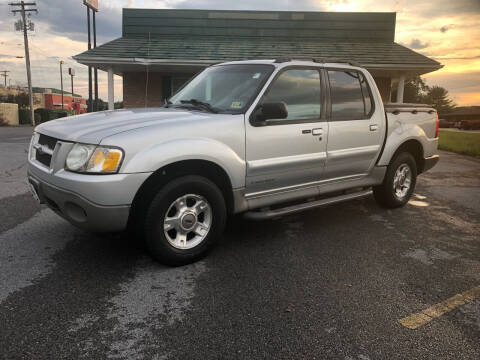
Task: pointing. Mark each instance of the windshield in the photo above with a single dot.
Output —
(223, 88)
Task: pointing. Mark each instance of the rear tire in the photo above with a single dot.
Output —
(184, 220)
(399, 183)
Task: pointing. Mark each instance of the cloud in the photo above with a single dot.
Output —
(445, 28)
(417, 44)
(445, 8)
(457, 57)
(298, 5)
(463, 88)
(69, 18)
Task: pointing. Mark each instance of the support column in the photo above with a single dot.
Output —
(110, 89)
(400, 88)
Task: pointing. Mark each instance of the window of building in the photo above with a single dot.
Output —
(350, 96)
(300, 90)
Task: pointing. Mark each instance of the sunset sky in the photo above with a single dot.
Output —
(445, 30)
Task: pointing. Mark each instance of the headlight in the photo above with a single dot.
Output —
(94, 159)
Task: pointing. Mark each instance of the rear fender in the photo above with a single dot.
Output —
(401, 134)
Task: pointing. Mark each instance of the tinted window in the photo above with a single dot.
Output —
(300, 90)
(347, 95)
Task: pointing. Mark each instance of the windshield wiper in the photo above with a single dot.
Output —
(200, 104)
(167, 103)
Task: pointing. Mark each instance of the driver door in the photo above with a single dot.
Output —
(288, 152)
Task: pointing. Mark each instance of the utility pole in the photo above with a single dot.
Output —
(89, 67)
(71, 72)
(61, 79)
(95, 71)
(5, 75)
(93, 5)
(24, 10)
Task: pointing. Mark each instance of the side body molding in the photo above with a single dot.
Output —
(159, 155)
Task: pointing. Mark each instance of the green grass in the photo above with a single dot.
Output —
(460, 142)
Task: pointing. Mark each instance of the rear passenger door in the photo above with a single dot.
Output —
(355, 127)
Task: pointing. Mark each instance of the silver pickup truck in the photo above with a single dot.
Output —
(265, 138)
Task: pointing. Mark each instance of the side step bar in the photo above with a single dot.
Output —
(268, 214)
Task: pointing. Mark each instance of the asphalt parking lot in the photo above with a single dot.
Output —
(332, 283)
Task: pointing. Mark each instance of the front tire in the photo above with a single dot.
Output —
(399, 182)
(184, 220)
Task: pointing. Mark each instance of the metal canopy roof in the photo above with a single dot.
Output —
(188, 40)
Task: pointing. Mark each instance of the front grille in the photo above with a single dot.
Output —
(44, 149)
(47, 140)
(45, 159)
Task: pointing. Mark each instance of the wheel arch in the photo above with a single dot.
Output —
(165, 174)
(415, 148)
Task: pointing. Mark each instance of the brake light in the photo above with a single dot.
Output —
(437, 125)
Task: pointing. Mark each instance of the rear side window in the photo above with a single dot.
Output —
(350, 95)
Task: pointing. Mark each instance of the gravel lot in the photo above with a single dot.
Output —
(329, 283)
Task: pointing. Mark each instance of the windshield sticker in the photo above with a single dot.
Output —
(236, 105)
(256, 75)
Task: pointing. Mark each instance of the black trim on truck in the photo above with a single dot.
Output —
(430, 162)
(384, 140)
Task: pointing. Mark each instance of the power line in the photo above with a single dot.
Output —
(25, 8)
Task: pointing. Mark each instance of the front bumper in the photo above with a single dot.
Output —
(99, 203)
(80, 211)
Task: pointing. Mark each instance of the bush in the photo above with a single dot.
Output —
(43, 113)
(52, 114)
(24, 117)
(38, 118)
(59, 113)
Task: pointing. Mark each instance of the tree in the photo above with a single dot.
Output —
(437, 96)
(101, 105)
(417, 91)
(413, 91)
(22, 99)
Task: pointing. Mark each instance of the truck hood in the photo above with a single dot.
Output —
(92, 128)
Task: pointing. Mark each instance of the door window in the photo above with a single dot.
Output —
(350, 96)
(300, 90)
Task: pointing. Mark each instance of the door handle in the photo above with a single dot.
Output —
(317, 131)
(373, 127)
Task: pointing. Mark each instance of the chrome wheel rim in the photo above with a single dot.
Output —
(402, 181)
(187, 221)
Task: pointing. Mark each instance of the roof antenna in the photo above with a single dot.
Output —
(146, 80)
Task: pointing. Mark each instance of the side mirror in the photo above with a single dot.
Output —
(273, 110)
